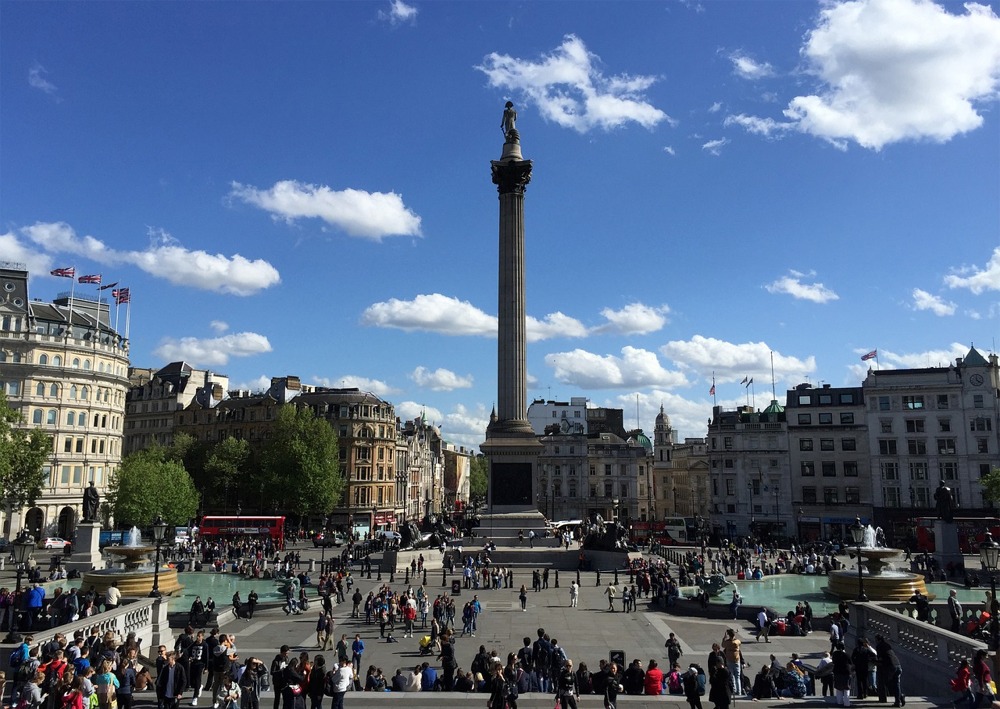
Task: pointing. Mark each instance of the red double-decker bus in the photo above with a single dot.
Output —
(971, 532)
(216, 526)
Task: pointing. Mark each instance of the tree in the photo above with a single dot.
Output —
(478, 476)
(991, 485)
(225, 467)
(148, 484)
(300, 464)
(22, 453)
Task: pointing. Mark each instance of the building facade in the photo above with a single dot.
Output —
(65, 369)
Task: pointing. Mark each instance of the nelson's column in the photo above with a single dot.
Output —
(511, 446)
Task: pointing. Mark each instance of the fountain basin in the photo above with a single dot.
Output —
(878, 587)
(131, 583)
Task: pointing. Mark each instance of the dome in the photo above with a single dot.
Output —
(662, 418)
(642, 440)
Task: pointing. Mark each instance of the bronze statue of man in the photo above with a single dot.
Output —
(509, 119)
(945, 503)
(91, 501)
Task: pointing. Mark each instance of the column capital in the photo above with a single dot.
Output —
(511, 176)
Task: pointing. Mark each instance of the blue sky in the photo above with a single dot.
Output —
(304, 188)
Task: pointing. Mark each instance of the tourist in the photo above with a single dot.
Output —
(955, 611)
(171, 682)
(653, 679)
(342, 681)
(984, 679)
(674, 650)
(763, 685)
(734, 659)
(842, 666)
(566, 688)
(864, 659)
(962, 684)
(720, 693)
(612, 683)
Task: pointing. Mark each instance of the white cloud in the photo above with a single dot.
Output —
(440, 379)
(714, 147)
(37, 263)
(219, 326)
(553, 325)
(687, 416)
(731, 362)
(669, 150)
(164, 258)
(398, 13)
(633, 319)
(975, 279)
(896, 70)
(462, 426)
(748, 68)
(760, 126)
(570, 90)
(351, 381)
(715, 107)
(36, 79)
(922, 300)
(368, 215)
(212, 351)
(792, 285)
(259, 385)
(635, 368)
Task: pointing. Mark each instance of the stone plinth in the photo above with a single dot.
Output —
(946, 549)
(86, 549)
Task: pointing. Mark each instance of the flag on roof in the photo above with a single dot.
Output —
(749, 382)
(63, 272)
(711, 392)
(744, 380)
(121, 295)
(871, 355)
(110, 285)
(93, 278)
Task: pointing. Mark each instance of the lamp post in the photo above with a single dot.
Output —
(22, 547)
(750, 508)
(858, 535)
(159, 529)
(989, 556)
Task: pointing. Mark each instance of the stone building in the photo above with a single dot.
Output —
(828, 460)
(423, 467)
(65, 369)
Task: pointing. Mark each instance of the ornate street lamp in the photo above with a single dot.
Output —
(159, 529)
(22, 547)
(858, 535)
(989, 555)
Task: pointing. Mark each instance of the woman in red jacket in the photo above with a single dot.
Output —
(653, 681)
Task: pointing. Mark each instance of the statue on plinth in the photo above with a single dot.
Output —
(91, 502)
(508, 123)
(945, 503)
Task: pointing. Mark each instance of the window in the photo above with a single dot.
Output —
(623, 469)
(68, 445)
(729, 463)
(890, 470)
(982, 445)
(830, 496)
(623, 490)
(607, 469)
(847, 399)
(70, 418)
(883, 403)
(50, 418)
(809, 495)
(805, 444)
(826, 444)
(805, 419)
(727, 443)
(593, 470)
(981, 424)
(977, 401)
(56, 361)
(886, 446)
(826, 419)
(913, 403)
(891, 495)
(886, 425)
(39, 389)
(848, 444)
(984, 469)
(942, 401)
(948, 471)
(608, 489)
(730, 486)
(918, 471)
(829, 469)
(916, 446)
(593, 490)
(805, 399)
(946, 446)
(36, 417)
(914, 425)
(808, 469)
(825, 399)
(852, 495)
(944, 424)
(850, 469)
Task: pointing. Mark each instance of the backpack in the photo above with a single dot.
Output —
(702, 682)
(17, 657)
(541, 653)
(330, 683)
(558, 657)
(53, 671)
(674, 682)
(526, 658)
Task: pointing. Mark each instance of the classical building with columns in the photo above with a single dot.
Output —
(65, 369)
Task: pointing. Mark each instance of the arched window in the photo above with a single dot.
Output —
(76, 363)
(72, 392)
(51, 417)
(54, 390)
(84, 392)
(43, 359)
(100, 366)
(57, 361)
(70, 418)
(36, 417)
(86, 364)
(40, 389)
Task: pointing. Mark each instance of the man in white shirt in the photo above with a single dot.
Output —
(763, 625)
(112, 597)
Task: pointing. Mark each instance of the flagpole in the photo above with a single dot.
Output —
(714, 399)
(876, 360)
(753, 395)
(72, 292)
(774, 395)
(128, 313)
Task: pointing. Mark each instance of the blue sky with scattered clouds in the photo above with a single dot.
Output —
(304, 188)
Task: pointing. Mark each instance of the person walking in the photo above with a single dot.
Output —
(984, 679)
(357, 652)
(522, 596)
(962, 684)
(692, 686)
(890, 673)
(610, 592)
(567, 690)
(574, 594)
(763, 626)
(674, 650)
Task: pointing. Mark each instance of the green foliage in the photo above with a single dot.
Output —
(478, 476)
(300, 464)
(149, 483)
(991, 485)
(226, 469)
(22, 453)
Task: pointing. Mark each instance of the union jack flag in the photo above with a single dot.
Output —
(871, 355)
(96, 279)
(63, 272)
(121, 295)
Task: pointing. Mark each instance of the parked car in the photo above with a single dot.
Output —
(328, 540)
(53, 543)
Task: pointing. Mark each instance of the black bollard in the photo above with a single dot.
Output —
(407, 579)
(631, 575)
(557, 578)
(369, 573)
(425, 576)
(392, 575)
(616, 577)
(444, 577)
(578, 577)
(598, 578)
(379, 573)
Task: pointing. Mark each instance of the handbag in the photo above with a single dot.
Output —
(296, 690)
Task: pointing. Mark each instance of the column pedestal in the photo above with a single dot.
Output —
(946, 549)
(86, 549)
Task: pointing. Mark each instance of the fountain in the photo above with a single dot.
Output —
(135, 577)
(882, 583)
